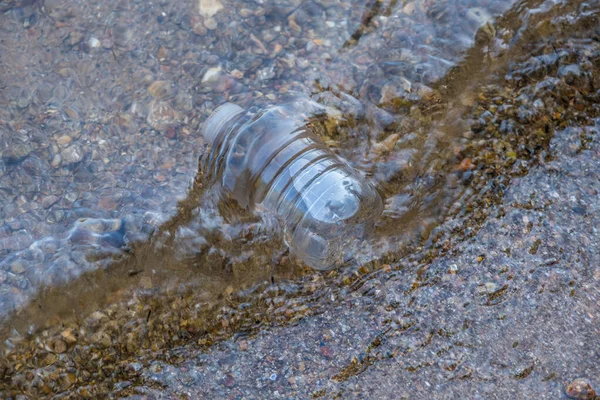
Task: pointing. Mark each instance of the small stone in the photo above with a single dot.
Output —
(67, 380)
(210, 24)
(466, 165)
(49, 201)
(326, 351)
(18, 267)
(199, 28)
(163, 53)
(107, 43)
(209, 8)
(243, 345)
(49, 359)
(101, 339)
(56, 160)
(409, 9)
(68, 336)
(58, 346)
(161, 90)
(64, 140)
(229, 380)
(237, 74)
(580, 389)
(246, 12)
(74, 38)
(94, 320)
(212, 75)
(94, 43)
(491, 287)
(162, 116)
(72, 155)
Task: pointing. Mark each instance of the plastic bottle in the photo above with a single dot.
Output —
(273, 160)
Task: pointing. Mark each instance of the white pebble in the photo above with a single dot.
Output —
(211, 75)
(93, 42)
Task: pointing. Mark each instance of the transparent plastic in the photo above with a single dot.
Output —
(273, 161)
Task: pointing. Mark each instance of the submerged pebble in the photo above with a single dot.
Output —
(580, 389)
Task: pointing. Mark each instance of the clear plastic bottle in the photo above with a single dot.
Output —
(273, 160)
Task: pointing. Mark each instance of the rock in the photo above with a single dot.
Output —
(74, 38)
(16, 153)
(237, 74)
(163, 54)
(72, 154)
(580, 389)
(211, 24)
(49, 201)
(162, 116)
(184, 101)
(208, 8)
(68, 336)
(409, 9)
(198, 28)
(56, 160)
(212, 75)
(58, 346)
(18, 267)
(94, 43)
(161, 90)
(64, 140)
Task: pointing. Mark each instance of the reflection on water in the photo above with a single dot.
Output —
(101, 198)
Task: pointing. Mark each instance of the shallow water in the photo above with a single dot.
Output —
(101, 112)
(108, 219)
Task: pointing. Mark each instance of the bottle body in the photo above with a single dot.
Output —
(274, 161)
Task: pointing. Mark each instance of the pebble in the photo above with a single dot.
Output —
(409, 9)
(49, 201)
(161, 90)
(56, 160)
(237, 74)
(212, 75)
(94, 43)
(64, 140)
(74, 38)
(58, 346)
(18, 267)
(490, 287)
(68, 336)
(210, 24)
(580, 389)
(209, 8)
(198, 28)
(162, 116)
(72, 154)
